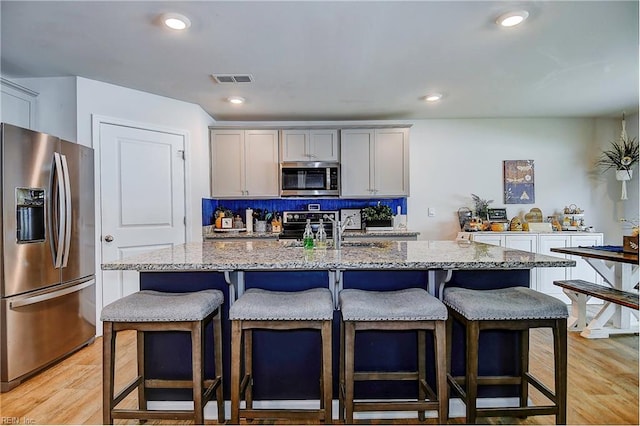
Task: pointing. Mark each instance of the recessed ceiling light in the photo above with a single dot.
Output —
(433, 97)
(237, 100)
(175, 21)
(512, 19)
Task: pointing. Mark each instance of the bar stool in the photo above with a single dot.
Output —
(411, 309)
(513, 308)
(152, 311)
(277, 310)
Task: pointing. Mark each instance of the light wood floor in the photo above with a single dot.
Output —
(603, 385)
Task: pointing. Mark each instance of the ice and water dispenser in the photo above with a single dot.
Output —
(30, 215)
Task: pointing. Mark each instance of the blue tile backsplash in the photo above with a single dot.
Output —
(238, 206)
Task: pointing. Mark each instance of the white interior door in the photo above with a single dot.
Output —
(142, 198)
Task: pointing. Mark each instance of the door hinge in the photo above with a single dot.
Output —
(184, 221)
(181, 153)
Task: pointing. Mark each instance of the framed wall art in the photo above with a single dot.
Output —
(519, 182)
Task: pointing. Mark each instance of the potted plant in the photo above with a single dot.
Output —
(621, 156)
(481, 207)
(262, 216)
(379, 215)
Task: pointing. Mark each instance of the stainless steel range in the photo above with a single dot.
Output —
(294, 222)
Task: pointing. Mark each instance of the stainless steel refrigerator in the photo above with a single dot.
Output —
(47, 251)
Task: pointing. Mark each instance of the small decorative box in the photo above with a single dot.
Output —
(227, 222)
(630, 244)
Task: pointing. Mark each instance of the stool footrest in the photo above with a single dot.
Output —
(127, 390)
(492, 380)
(516, 411)
(385, 375)
(541, 387)
(394, 405)
(266, 413)
(246, 380)
(152, 414)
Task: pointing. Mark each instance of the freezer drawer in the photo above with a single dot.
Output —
(39, 328)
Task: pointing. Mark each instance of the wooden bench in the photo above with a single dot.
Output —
(619, 297)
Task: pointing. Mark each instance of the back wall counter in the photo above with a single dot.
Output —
(238, 206)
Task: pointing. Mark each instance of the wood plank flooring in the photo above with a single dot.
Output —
(603, 385)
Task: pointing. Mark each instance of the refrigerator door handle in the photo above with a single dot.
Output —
(48, 296)
(61, 210)
(67, 216)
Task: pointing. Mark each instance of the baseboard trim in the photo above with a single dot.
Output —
(456, 407)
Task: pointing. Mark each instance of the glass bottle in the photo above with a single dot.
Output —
(307, 237)
(321, 237)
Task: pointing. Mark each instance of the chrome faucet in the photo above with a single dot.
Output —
(338, 229)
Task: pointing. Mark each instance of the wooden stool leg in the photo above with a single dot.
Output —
(422, 369)
(472, 339)
(142, 399)
(108, 366)
(349, 349)
(197, 354)
(341, 388)
(560, 369)
(217, 342)
(236, 343)
(248, 367)
(327, 367)
(449, 338)
(440, 341)
(524, 368)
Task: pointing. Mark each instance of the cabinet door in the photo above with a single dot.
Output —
(528, 243)
(261, 163)
(582, 270)
(227, 163)
(323, 145)
(522, 242)
(356, 152)
(391, 162)
(546, 276)
(493, 239)
(295, 145)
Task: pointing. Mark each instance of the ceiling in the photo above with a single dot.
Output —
(341, 60)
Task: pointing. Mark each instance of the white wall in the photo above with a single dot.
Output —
(450, 159)
(55, 106)
(607, 189)
(94, 97)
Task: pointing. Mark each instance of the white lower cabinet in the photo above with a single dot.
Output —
(542, 278)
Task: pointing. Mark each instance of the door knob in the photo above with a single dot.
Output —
(108, 238)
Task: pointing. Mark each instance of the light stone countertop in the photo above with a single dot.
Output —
(268, 255)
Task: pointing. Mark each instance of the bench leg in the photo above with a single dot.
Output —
(578, 317)
(595, 329)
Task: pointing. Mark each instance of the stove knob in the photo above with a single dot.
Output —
(295, 216)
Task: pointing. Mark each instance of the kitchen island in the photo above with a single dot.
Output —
(285, 368)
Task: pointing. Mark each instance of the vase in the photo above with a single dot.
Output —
(624, 176)
(261, 226)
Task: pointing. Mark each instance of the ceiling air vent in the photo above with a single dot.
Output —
(230, 78)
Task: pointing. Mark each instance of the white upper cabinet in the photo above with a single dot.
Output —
(244, 163)
(18, 105)
(375, 162)
(309, 145)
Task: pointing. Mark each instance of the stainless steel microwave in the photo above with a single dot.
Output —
(306, 179)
